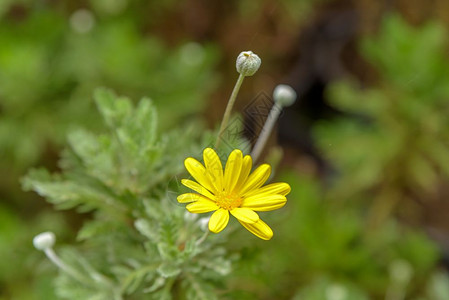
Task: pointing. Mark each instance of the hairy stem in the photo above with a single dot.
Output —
(227, 114)
(266, 131)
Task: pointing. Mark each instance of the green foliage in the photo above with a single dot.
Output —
(413, 60)
(139, 242)
(401, 146)
(136, 242)
(14, 234)
(325, 290)
(60, 66)
(322, 244)
(339, 240)
(48, 71)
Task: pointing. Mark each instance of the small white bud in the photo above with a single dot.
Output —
(82, 21)
(284, 95)
(247, 63)
(44, 240)
(189, 217)
(204, 222)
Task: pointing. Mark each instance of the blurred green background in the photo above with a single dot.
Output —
(366, 148)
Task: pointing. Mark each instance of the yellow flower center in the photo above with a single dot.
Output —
(228, 201)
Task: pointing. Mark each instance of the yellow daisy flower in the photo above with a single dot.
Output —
(234, 191)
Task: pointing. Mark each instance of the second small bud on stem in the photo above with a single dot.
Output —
(283, 96)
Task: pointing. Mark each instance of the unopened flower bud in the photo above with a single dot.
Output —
(284, 95)
(189, 217)
(247, 63)
(44, 240)
(203, 222)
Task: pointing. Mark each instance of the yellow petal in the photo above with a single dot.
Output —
(214, 168)
(219, 220)
(256, 179)
(259, 229)
(190, 197)
(202, 206)
(197, 188)
(245, 215)
(280, 188)
(232, 170)
(198, 171)
(264, 202)
(246, 169)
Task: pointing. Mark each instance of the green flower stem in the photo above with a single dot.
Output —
(227, 114)
(203, 238)
(266, 131)
(61, 265)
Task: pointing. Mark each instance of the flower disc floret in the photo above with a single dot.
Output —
(234, 190)
(228, 201)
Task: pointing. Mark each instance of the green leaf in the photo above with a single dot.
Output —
(157, 284)
(198, 289)
(113, 110)
(168, 269)
(66, 194)
(147, 229)
(94, 228)
(166, 251)
(136, 278)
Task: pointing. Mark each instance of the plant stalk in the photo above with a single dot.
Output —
(227, 114)
(266, 131)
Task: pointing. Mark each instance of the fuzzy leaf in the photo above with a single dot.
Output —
(168, 269)
(66, 194)
(198, 289)
(146, 229)
(113, 109)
